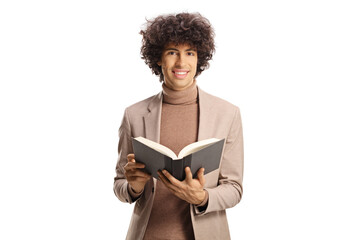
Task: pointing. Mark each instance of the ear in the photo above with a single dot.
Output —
(159, 63)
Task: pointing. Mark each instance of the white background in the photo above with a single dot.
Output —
(69, 68)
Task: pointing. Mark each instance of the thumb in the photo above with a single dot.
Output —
(188, 173)
(201, 177)
(131, 157)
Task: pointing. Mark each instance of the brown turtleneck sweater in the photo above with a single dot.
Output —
(170, 216)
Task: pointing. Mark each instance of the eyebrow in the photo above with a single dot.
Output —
(187, 50)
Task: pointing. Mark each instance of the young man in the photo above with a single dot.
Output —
(177, 48)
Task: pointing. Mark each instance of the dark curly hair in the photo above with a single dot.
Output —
(189, 28)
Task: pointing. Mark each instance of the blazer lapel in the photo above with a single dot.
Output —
(153, 118)
(204, 131)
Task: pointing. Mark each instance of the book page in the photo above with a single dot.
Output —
(196, 146)
(157, 146)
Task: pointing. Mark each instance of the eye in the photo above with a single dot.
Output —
(171, 53)
(191, 54)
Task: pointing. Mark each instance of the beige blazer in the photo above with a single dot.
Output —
(219, 119)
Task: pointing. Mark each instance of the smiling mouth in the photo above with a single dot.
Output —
(180, 74)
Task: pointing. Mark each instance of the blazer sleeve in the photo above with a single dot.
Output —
(124, 148)
(229, 191)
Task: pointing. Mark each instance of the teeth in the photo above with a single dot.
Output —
(181, 73)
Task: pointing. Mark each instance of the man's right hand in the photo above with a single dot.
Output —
(134, 175)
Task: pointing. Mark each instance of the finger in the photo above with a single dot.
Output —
(130, 157)
(163, 178)
(171, 179)
(131, 166)
(166, 181)
(137, 179)
(201, 177)
(137, 173)
(188, 173)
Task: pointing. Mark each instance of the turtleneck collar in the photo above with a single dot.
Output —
(182, 97)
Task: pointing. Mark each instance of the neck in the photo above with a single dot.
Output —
(181, 97)
(178, 88)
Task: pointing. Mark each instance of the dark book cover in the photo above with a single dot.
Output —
(208, 158)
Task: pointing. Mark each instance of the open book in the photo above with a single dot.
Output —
(205, 153)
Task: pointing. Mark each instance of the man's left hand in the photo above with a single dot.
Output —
(190, 190)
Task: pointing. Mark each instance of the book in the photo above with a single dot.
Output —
(206, 153)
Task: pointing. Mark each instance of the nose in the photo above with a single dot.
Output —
(180, 60)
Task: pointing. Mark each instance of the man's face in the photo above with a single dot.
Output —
(178, 64)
